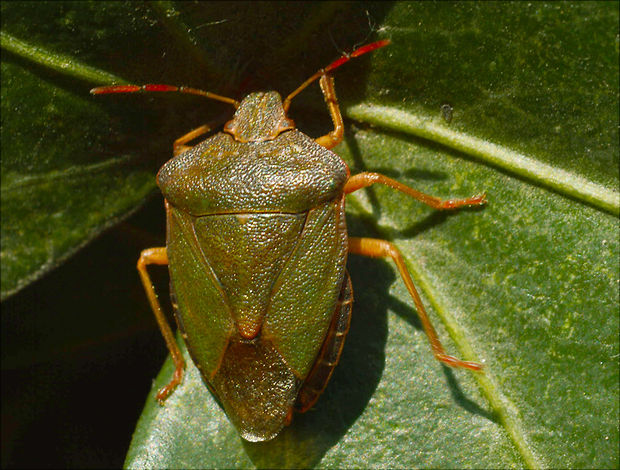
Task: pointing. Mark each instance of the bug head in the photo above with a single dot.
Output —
(259, 117)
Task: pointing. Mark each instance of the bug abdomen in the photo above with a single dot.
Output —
(329, 355)
(256, 388)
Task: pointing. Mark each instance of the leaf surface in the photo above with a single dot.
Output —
(516, 100)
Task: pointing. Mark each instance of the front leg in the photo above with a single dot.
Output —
(329, 92)
(179, 145)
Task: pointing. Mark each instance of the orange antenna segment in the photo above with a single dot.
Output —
(161, 87)
(334, 65)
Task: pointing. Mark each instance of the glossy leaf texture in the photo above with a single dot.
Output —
(518, 100)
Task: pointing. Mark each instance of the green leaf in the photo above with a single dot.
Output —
(517, 100)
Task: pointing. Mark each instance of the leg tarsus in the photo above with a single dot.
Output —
(376, 248)
(159, 256)
(363, 180)
(478, 200)
(177, 378)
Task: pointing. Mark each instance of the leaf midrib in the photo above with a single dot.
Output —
(524, 166)
(60, 63)
(17, 181)
(503, 408)
(528, 168)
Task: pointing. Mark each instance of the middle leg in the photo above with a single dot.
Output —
(363, 180)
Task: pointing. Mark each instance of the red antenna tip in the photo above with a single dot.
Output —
(114, 89)
(370, 47)
(356, 53)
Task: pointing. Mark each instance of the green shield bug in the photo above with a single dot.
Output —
(256, 249)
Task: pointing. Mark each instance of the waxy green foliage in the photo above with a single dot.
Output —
(529, 284)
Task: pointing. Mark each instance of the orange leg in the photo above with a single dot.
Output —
(179, 145)
(329, 92)
(375, 248)
(160, 257)
(363, 180)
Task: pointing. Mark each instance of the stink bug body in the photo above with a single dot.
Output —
(257, 248)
